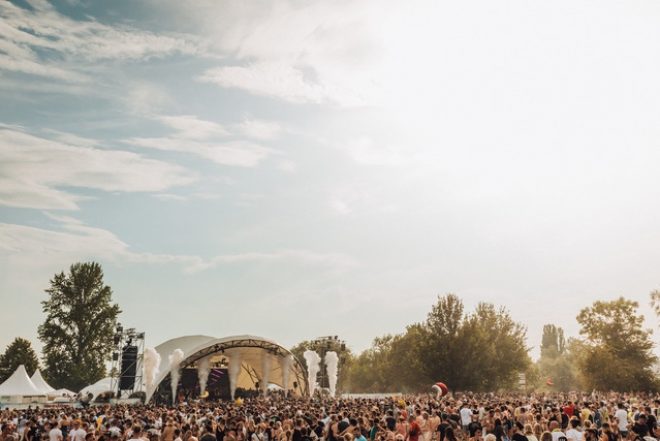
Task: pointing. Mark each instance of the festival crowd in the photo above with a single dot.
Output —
(556, 417)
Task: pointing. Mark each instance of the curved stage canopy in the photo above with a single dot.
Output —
(256, 363)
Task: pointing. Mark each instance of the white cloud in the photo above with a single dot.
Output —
(191, 127)
(206, 139)
(233, 153)
(146, 98)
(363, 196)
(72, 240)
(33, 170)
(25, 34)
(278, 80)
(188, 196)
(312, 52)
(71, 139)
(169, 197)
(259, 129)
(285, 81)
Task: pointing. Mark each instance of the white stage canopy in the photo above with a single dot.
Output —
(254, 355)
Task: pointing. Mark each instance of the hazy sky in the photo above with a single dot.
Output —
(309, 168)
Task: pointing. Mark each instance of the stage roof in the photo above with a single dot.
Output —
(251, 350)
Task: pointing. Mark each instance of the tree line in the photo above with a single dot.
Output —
(613, 352)
(485, 350)
(480, 350)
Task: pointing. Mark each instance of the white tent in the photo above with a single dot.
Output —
(89, 393)
(41, 384)
(62, 396)
(20, 389)
(64, 392)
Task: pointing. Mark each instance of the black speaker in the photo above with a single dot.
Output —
(295, 384)
(128, 367)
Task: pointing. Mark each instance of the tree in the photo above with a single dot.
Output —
(370, 371)
(618, 345)
(553, 341)
(19, 352)
(655, 301)
(481, 351)
(443, 342)
(79, 326)
(496, 351)
(556, 361)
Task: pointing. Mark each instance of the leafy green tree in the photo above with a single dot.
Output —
(556, 362)
(553, 341)
(617, 350)
(481, 351)
(79, 326)
(496, 351)
(443, 340)
(533, 377)
(655, 301)
(406, 368)
(560, 369)
(19, 352)
(370, 371)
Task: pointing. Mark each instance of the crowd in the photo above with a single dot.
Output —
(614, 417)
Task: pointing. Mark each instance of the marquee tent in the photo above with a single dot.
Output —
(19, 389)
(65, 393)
(41, 384)
(89, 393)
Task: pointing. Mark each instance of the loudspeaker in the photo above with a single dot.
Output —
(295, 384)
(128, 367)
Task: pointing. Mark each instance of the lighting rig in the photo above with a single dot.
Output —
(321, 346)
(127, 357)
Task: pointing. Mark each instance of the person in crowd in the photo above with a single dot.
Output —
(573, 433)
(519, 432)
(621, 416)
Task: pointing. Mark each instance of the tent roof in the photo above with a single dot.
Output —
(65, 392)
(41, 384)
(96, 389)
(19, 384)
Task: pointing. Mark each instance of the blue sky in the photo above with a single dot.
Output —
(298, 169)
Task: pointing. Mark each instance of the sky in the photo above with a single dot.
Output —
(295, 169)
